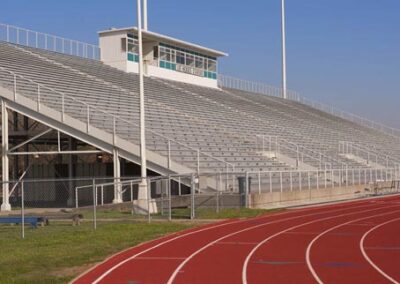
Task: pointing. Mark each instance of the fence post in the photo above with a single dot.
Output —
(300, 183)
(259, 182)
(246, 193)
(169, 199)
(131, 187)
(162, 198)
(219, 185)
(148, 200)
(94, 204)
(270, 182)
(22, 210)
(76, 197)
(192, 193)
(102, 194)
(291, 180)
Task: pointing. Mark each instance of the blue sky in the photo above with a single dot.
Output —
(342, 52)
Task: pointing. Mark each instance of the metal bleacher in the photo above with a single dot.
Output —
(200, 128)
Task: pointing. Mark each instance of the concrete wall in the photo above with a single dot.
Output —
(111, 52)
(288, 198)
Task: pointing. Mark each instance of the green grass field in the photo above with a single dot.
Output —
(59, 252)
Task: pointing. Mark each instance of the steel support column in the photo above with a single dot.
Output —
(117, 177)
(5, 206)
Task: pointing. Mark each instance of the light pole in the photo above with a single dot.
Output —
(284, 87)
(145, 24)
(142, 194)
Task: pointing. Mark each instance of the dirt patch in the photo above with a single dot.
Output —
(72, 271)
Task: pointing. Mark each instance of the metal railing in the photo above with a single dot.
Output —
(262, 88)
(351, 117)
(251, 182)
(278, 145)
(229, 82)
(69, 106)
(369, 156)
(280, 181)
(21, 36)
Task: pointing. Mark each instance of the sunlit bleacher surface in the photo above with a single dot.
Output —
(202, 129)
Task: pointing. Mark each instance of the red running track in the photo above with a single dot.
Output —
(353, 242)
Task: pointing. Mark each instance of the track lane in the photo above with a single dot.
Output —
(380, 246)
(236, 246)
(334, 256)
(154, 261)
(144, 270)
(282, 259)
(102, 270)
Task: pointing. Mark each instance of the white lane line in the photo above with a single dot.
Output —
(175, 273)
(340, 206)
(247, 260)
(102, 276)
(159, 258)
(374, 265)
(308, 252)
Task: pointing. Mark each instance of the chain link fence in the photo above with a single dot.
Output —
(96, 201)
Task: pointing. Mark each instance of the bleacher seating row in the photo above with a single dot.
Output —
(221, 123)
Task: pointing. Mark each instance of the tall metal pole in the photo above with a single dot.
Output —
(145, 23)
(5, 206)
(142, 195)
(284, 86)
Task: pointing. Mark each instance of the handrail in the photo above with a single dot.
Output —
(328, 160)
(352, 117)
(264, 89)
(113, 117)
(26, 37)
(230, 82)
(349, 147)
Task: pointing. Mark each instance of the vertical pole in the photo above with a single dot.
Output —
(117, 177)
(76, 197)
(145, 21)
(284, 91)
(5, 206)
(246, 193)
(94, 204)
(219, 184)
(270, 182)
(192, 192)
(102, 194)
(169, 199)
(148, 202)
(143, 185)
(259, 182)
(23, 210)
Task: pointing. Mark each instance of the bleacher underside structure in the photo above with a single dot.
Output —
(189, 128)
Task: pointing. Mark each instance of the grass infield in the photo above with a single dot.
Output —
(59, 252)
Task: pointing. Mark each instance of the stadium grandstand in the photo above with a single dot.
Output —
(71, 109)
